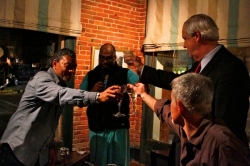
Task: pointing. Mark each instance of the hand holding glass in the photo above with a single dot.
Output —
(119, 114)
(133, 97)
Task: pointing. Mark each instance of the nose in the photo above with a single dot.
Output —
(105, 62)
(184, 45)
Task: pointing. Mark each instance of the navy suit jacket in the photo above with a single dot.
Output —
(231, 88)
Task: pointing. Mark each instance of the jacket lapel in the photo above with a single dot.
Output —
(212, 63)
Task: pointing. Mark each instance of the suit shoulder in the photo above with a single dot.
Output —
(43, 75)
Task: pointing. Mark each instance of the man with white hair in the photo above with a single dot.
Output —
(228, 73)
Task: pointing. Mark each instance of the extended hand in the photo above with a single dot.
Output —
(138, 88)
(112, 93)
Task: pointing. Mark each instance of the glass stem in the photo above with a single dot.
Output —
(119, 107)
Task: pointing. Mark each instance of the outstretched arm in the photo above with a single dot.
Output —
(112, 93)
(150, 75)
(161, 107)
(140, 89)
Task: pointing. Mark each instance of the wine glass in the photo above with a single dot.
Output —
(132, 96)
(119, 114)
(63, 153)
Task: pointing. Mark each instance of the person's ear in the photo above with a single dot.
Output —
(180, 107)
(197, 35)
(54, 62)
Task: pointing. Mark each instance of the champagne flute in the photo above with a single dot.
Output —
(119, 114)
(133, 97)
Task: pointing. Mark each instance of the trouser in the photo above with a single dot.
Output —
(8, 158)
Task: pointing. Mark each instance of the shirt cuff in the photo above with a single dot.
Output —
(97, 98)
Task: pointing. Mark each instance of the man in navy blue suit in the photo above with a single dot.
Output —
(227, 72)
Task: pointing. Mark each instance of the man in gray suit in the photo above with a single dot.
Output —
(30, 131)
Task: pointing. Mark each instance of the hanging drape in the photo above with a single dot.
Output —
(52, 16)
(166, 17)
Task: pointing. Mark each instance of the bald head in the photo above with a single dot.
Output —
(107, 55)
(108, 47)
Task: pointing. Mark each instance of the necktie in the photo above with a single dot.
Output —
(198, 68)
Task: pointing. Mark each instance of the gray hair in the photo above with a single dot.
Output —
(195, 92)
(63, 52)
(204, 24)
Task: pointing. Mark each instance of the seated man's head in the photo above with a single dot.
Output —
(192, 94)
(64, 64)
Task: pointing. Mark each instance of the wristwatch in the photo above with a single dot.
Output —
(96, 97)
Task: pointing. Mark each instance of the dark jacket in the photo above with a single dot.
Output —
(231, 85)
(100, 116)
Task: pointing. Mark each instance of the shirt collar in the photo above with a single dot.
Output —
(197, 138)
(209, 56)
(53, 74)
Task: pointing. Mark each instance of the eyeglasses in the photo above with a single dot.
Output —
(107, 58)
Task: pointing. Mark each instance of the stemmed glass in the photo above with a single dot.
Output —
(132, 96)
(119, 114)
(63, 153)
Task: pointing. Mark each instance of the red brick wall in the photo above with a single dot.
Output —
(122, 23)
